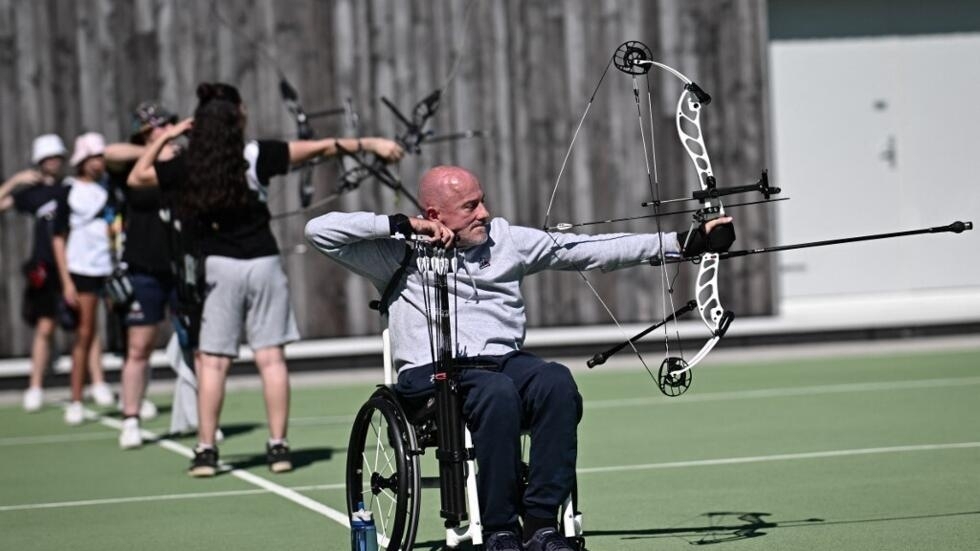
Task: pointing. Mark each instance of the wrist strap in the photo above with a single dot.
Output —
(399, 223)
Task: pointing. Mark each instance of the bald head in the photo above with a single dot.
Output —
(454, 196)
(444, 183)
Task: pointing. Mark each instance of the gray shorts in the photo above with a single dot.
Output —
(248, 294)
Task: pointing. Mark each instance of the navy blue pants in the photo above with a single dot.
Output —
(519, 392)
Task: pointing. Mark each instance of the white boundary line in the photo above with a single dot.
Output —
(281, 491)
(779, 457)
(164, 497)
(289, 493)
(592, 404)
(55, 438)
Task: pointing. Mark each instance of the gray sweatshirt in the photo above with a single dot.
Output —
(485, 291)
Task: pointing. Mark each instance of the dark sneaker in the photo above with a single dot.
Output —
(205, 462)
(277, 456)
(547, 539)
(503, 541)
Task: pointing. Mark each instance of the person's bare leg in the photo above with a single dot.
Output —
(84, 336)
(41, 350)
(141, 339)
(271, 362)
(96, 374)
(210, 395)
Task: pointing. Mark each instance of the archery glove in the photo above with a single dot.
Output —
(698, 242)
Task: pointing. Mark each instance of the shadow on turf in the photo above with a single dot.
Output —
(230, 431)
(725, 527)
(722, 527)
(303, 457)
(162, 409)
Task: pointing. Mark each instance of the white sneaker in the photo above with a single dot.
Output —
(101, 394)
(74, 413)
(148, 410)
(130, 436)
(33, 398)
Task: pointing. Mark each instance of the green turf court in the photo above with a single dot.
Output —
(871, 452)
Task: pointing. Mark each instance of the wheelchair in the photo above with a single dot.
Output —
(387, 440)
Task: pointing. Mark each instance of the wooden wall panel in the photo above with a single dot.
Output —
(525, 72)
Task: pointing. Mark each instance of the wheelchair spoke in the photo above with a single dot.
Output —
(391, 508)
(380, 448)
(382, 523)
(377, 442)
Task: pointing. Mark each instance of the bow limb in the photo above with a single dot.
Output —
(304, 131)
(715, 318)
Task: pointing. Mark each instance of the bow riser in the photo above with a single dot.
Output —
(688, 121)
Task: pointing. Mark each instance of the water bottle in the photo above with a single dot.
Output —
(363, 534)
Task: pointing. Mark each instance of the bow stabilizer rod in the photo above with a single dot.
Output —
(955, 227)
(601, 357)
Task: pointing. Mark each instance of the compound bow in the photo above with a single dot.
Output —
(674, 375)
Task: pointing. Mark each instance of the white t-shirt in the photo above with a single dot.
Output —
(88, 232)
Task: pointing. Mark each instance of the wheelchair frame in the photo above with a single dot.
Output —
(392, 490)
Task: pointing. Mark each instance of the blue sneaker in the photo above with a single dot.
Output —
(547, 539)
(503, 541)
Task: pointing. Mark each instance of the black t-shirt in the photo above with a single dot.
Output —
(147, 247)
(41, 202)
(240, 232)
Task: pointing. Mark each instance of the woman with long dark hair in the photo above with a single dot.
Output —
(219, 186)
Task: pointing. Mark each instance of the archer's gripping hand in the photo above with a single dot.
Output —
(714, 236)
(435, 230)
(387, 150)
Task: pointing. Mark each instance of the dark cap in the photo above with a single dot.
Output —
(147, 115)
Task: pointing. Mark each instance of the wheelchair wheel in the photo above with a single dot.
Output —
(383, 470)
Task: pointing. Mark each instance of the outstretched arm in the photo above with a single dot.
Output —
(614, 251)
(304, 150)
(118, 154)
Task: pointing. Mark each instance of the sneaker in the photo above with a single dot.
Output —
(503, 541)
(33, 397)
(148, 410)
(277, 456)
(205, 462)
(74, 413)
(130, 437)
(547, 539)
(101, 394)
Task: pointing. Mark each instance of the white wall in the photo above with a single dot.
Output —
(876, 135)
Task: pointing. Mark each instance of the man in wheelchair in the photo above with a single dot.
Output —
(512, 390)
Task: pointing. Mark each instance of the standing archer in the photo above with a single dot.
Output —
(220, 183)
(521, 390)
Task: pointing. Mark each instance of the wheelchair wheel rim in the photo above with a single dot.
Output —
(382, 475)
